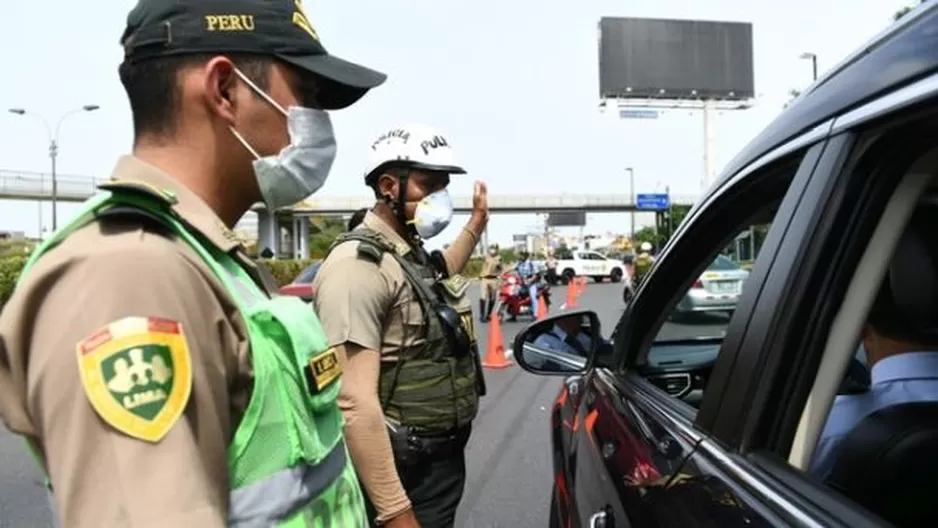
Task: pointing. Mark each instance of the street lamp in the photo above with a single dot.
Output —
(632, 192)
(53, 153)
(813, 58)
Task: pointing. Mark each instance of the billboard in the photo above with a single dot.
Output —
(642, 58)
(567, 219)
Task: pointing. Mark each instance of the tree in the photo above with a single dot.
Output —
(323, 232)
(792, 95)
(905, 11)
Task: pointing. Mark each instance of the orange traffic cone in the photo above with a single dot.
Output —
(495, 356)
(571, 293)
(582, 285)
(541, 307)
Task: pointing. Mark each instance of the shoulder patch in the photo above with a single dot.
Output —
(456, 285)
(369, 251)
(137, 374)
(139, 187)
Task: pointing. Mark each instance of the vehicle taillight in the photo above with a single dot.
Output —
(697, 284)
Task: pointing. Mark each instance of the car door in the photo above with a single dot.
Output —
(634, 447)
(770, 383)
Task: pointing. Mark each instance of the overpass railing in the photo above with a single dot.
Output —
(38, 186)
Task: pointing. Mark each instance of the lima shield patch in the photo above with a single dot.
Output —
(137, 374)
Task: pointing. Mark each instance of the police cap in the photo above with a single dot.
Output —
(277, 28)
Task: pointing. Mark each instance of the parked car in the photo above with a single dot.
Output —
(302, 285)
(716, 425)
(716, 290)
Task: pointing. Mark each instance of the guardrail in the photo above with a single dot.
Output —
(38, 186)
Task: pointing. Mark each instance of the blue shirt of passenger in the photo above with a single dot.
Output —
(525, 268)
(903, 378)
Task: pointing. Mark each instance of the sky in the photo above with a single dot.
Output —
(513, 85)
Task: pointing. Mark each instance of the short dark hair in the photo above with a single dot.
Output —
(357, 218)
(152, 87)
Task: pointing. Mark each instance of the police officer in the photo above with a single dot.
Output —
(492, 267)
(402, 318)
(643, 262)
(154, 377)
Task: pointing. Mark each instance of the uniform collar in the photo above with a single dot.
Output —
(374, 222)
(188, 205)
(905, 366)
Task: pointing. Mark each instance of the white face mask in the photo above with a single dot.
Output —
(301, 168)
(433, 214)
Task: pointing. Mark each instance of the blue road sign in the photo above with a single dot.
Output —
(638, 114)
(652, 202)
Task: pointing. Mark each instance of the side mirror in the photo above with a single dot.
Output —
(563, 345)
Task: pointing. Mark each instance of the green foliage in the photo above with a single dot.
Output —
(285, 270)
(905, 11)
(13, 255)
(323, 232)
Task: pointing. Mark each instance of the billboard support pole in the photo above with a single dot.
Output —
(708, 143)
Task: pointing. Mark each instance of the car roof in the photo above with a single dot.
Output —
(904, 52)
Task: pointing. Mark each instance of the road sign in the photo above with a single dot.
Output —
(652, 202)
(638, 114)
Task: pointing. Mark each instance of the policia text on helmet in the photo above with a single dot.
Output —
(403, 319)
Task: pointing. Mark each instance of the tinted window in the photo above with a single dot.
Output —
(721, 263)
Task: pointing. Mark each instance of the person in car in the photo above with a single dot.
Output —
(567, 337)
(901, 345)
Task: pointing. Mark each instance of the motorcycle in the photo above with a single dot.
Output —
(514, 296)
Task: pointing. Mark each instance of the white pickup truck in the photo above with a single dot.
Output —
(590, 264)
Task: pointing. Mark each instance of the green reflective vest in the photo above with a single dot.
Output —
(288, 464)
(643, 264)
(431, 386)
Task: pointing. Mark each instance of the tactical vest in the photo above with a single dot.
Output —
(288, 464)
(432, 387)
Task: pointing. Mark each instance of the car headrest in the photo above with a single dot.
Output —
(913, 273)
(889, 464)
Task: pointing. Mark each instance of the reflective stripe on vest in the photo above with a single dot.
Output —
(263, 503)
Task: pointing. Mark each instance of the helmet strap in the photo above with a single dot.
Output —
(398, 204)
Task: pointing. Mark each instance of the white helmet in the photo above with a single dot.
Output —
(646, 246)
(411, 146)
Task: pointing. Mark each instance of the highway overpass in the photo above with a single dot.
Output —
(20, 185)
(34, 186)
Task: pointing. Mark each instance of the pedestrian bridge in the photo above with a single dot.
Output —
(20, 185)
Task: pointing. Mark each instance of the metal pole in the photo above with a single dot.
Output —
(708, 107)
(53, 153)
(667, 191)
(632, 192)
(42, 181)
(814, 65)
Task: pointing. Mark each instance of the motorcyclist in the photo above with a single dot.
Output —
(643, 262)
(527, 270)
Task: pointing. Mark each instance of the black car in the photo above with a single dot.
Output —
(716, 423)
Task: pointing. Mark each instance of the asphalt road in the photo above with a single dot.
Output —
(509, 464)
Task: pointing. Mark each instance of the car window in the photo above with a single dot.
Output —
(308, 274)
(705, 307)
(688, 300)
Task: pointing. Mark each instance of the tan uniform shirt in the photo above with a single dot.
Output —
(373, 309)
(107, 271)
(492, 266)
